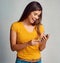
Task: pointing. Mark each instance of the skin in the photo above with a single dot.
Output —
(27, 24)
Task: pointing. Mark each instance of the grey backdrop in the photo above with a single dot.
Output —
(11, 10)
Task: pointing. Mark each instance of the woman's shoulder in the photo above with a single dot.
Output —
(16, 23)
(41, 25)
(41, 28)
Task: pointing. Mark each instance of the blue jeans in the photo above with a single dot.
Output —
(22, 61)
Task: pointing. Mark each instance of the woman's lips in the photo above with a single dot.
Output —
(33, 20)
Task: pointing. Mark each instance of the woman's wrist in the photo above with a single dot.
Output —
(28, 43)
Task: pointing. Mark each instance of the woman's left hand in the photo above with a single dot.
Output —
(43, 41)
(45, 37)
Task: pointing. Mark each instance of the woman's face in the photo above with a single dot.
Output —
(34, 16)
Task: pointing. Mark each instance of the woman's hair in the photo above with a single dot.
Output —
(32, 6)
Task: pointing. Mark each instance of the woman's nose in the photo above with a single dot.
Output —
(37, 17)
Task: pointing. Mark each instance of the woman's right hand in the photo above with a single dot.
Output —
(33, 42)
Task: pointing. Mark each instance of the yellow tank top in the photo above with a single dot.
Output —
(29, 52)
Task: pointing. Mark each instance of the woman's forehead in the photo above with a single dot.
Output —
(37, 12)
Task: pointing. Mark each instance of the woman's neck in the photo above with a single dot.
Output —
(26, 22)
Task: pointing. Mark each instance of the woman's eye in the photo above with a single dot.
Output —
(35, 14)
(38, 15)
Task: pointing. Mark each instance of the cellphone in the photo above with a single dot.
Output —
(47, 35)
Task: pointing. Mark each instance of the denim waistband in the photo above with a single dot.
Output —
(23, 61)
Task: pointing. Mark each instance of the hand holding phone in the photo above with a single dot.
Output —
(47, 35)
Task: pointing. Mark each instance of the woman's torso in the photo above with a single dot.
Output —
(30, 52)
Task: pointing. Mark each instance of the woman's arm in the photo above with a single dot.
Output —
(13, 44)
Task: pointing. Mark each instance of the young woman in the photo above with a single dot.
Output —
(27, 35)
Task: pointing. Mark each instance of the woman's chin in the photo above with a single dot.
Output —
(33, 23)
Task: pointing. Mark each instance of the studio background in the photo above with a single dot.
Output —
(11, 10)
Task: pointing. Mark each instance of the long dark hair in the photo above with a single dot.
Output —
(32, 6)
